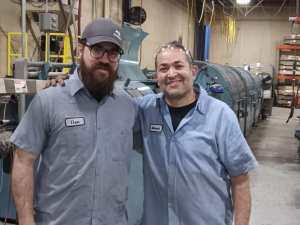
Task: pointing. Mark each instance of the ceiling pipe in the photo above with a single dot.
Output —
(237, 6)
(253, 8)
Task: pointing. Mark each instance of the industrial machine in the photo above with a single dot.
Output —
(242, 90)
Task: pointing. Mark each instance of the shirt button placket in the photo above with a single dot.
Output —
(171, 177)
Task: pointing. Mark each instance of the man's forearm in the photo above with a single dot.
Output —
(241, 199)
(22, 189)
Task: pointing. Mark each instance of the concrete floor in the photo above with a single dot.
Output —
(275, 184)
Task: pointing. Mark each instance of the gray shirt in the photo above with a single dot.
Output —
(86, 150)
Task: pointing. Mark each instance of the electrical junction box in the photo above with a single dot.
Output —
(48, 22)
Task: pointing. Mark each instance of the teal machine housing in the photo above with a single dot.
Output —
(242, 90)
(138, 86)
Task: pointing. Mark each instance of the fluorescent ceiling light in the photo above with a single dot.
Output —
(242, 1)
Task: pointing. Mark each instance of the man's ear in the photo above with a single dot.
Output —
(195, 71)
(80, 49)
(155, 76)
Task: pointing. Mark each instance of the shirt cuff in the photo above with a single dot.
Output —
(246, 168)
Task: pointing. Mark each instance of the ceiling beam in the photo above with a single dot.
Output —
(236, 5)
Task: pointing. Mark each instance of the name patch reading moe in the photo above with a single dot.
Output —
(155, 128)
(79, 121)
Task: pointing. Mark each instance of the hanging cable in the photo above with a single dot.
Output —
(276, 13)
(202, 11)
(212, 14)
(195, 9)
(191, 12)
(188, 12)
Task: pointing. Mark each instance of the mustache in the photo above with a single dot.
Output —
(102, 66)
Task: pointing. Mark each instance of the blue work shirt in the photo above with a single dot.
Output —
(86, 150)
(187, 172)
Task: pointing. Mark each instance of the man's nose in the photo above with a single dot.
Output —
(105, 58)
(172, 72)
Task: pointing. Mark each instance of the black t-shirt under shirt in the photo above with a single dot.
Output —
(178, 113)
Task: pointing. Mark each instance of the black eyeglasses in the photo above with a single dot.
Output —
(98, 52)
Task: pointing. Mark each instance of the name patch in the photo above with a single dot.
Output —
(75, 122)
(155, 128)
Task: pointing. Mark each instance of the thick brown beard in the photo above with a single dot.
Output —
(96, 83)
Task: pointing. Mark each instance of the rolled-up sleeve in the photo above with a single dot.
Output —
(234, 151)
(31, 133)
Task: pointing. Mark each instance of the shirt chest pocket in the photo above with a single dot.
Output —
(75, 146)
(196, 155)
(120, 143)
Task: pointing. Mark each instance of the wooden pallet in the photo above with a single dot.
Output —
(283, 106)
(285, 97)
(285, 92)
(283, 102)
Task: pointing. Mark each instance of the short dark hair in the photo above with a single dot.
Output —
(178, 45)
(83, 41)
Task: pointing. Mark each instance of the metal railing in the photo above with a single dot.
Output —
(9, 54)
(65, 56)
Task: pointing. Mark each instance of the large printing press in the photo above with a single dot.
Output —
(241, 90)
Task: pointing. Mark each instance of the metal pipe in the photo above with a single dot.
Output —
(22, 100)
(46, 6)
(221, 3)
(253, 7)
(48, 46)
(76, 35)
(239, 109)
(79, 19)
(55, 74)
(35, 75)
(23, 28)
(233, 2)
(126, 6)
(245, 116)
(55, 65)
(8, 123)
(254, 122)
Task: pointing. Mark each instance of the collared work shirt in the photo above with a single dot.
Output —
(86, 149)
(187, 172)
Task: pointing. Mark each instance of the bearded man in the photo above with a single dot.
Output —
(84, 134)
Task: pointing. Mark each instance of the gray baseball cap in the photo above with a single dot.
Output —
(103, 30)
